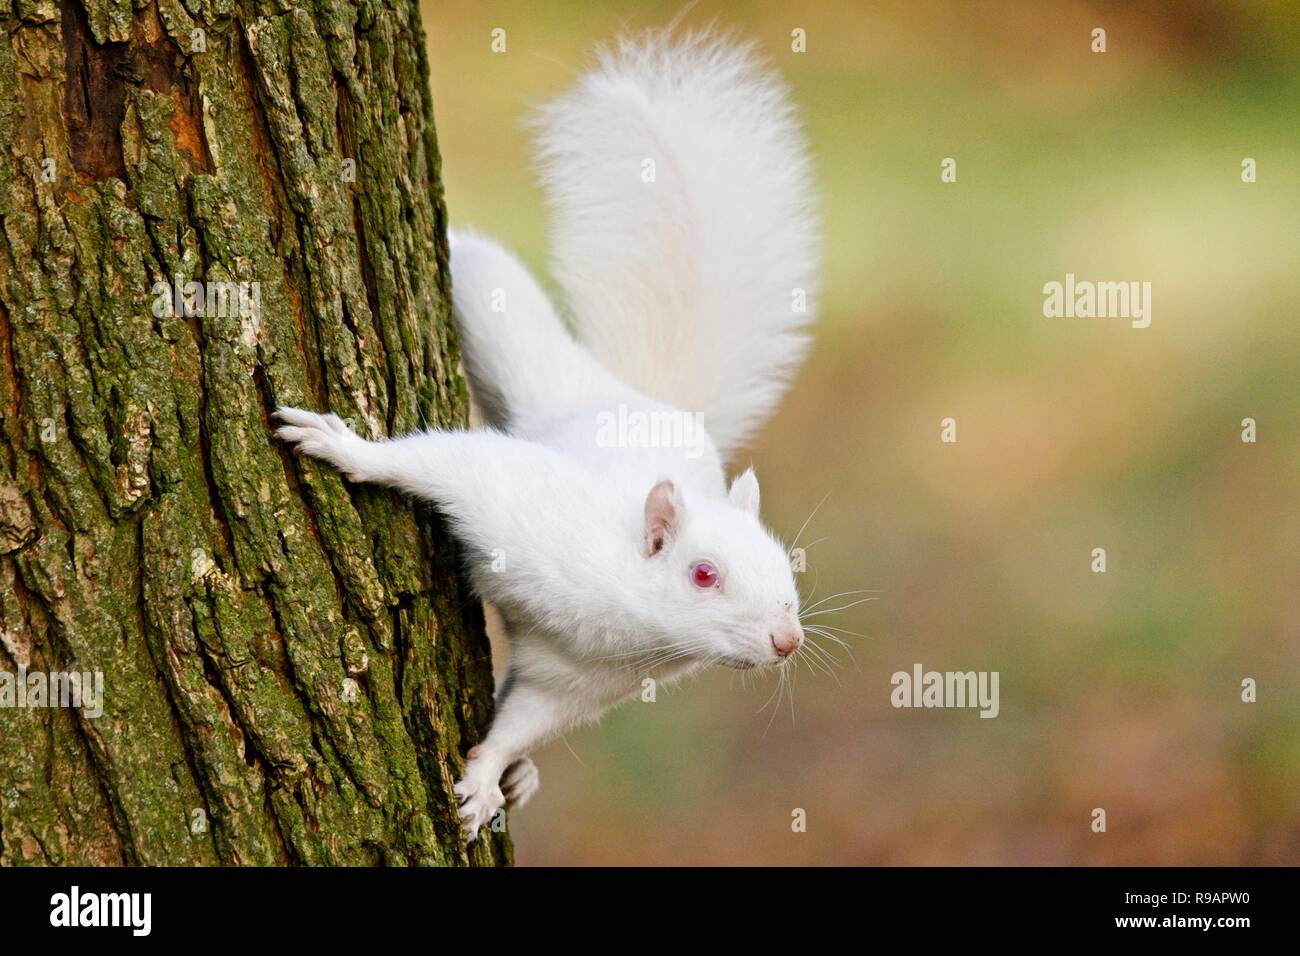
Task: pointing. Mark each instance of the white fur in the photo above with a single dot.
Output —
(684, 287)
(591, 570)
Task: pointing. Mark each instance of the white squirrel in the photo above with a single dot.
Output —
(678, 182)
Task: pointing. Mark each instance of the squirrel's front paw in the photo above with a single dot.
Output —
(480, 796)
(326, 437)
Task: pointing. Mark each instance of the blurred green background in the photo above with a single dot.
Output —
(1118, 690)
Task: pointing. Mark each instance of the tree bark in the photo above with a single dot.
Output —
(292, 666)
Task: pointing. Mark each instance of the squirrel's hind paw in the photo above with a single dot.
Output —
(520, 782)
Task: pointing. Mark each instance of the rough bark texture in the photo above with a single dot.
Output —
(150, 528)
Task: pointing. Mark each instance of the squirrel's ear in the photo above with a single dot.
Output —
(744, 491)
(663, 516)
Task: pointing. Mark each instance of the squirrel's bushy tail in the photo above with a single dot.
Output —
(679, 186)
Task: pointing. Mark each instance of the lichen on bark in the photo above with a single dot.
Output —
(293, 666)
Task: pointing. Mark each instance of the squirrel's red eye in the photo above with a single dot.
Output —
(704, 574)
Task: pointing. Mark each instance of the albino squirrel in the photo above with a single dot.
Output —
(678, 182)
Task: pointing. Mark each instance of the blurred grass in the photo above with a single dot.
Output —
(1118, 690)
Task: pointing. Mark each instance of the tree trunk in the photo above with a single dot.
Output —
(291, 666)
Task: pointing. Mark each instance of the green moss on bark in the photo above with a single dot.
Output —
(292, 666)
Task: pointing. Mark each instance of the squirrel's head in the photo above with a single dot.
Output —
(719, 577)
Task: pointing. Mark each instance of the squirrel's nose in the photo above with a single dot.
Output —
(787, 640)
